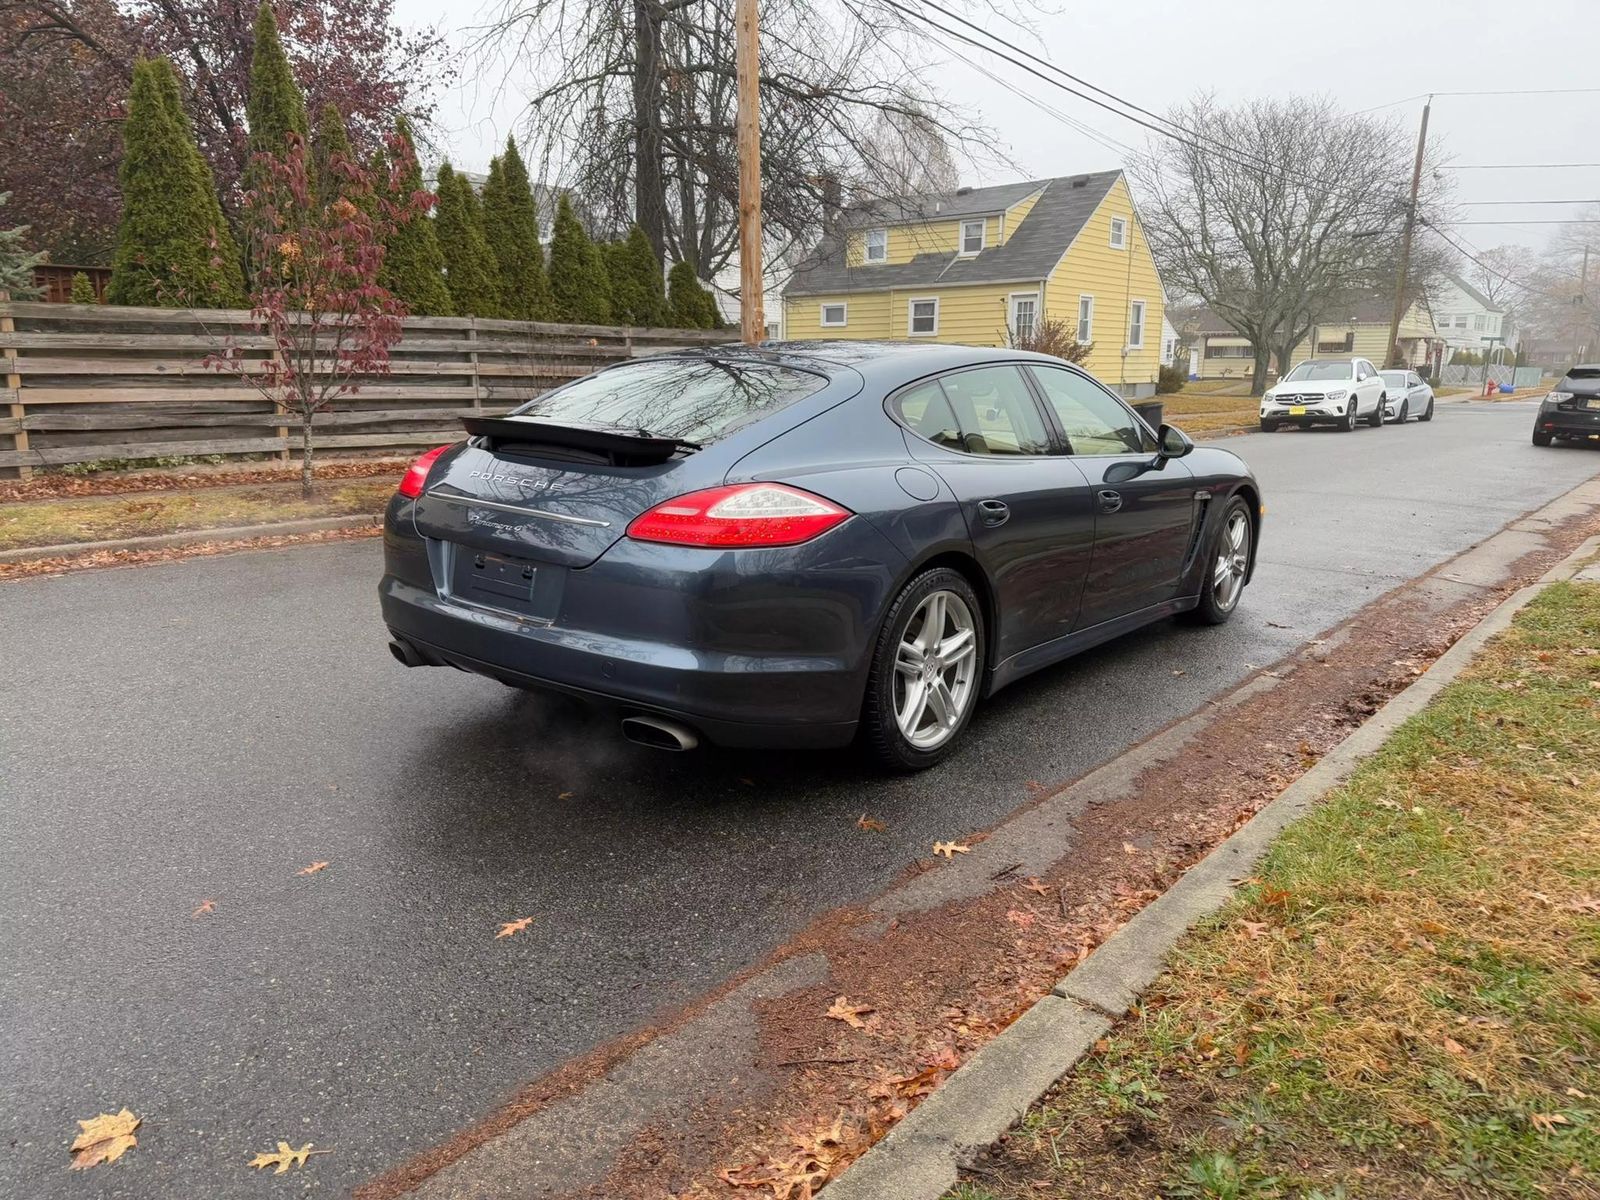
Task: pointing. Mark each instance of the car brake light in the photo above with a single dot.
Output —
(739, 515)
(416, 476)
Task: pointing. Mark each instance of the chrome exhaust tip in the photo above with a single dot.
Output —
(658, 733)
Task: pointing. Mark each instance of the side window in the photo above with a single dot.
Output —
(1094, 421)
(984, 411)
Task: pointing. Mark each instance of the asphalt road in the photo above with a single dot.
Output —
(205, 729)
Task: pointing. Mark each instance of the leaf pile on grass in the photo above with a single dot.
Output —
(1406, 1003)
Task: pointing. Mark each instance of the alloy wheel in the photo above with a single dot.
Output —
(1233, 561)
(1405, 411)
(935, 670)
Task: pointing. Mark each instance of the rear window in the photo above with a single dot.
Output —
(1398, 378)
(699, 400)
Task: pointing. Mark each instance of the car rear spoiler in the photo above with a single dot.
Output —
(515, 435)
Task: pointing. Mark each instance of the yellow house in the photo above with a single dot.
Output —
(983, 266)
(1357, 329)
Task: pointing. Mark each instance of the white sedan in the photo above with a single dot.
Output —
(1407, 395)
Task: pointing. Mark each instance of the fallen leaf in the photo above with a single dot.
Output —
(1020, 918)
(312, 869)
(1035, 884)
(286, 1157)
(205, 907)
(871, 824)
(565, 795)
(950, 849)
(1454, 1047)
(1547, 1122)
(104, 1139)
(1179, 671)
(1256, 929)
(851, 1014)
(514, 927)
(1129, 848)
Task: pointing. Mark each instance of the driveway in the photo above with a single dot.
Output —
(206, 730)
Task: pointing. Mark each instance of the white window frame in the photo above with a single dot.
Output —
(1011, 310)
(866, 246)
(911, 314)
(844, 314)
(1085, 320)
(1144, 317)
(1117, 223)
(983, 237)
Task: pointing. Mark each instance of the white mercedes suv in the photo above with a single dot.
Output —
(1326, 391)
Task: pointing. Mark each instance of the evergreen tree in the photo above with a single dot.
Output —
(690, 305)
(330, 141)
(646, 288)
(173, 247)
(511, 224)
(172, 95)
(470, 268)
(16, 264)
(275, 108)
(82, 289)
(578, 282)
(413, 267)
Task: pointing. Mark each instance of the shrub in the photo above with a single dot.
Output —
(1052, 336)
(82, 290)
(690, 305)
(578, 281)
(1172, 378)
(511, 225)
(174, 249)
(470, 269)
(413, 265)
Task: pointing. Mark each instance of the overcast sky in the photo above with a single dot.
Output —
(1364, 53)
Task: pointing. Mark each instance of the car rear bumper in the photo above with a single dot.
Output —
(1569, 423)
(747, 651)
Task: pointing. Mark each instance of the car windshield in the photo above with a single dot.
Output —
(1320, 372)
(1397, 378)
(1588, 374)
(696, 400)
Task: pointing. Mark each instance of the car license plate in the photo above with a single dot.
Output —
(512, 585)
(1297, 410)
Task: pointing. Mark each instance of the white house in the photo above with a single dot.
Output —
(1468, 320)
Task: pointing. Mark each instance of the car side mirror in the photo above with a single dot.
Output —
(1174, 442)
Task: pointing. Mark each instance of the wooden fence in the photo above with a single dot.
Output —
(91, 382)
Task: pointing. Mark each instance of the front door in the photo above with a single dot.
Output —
(1145, 507)
(1030, 515)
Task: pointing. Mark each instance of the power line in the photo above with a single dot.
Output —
(1496, 272)
(1541, 221)
(1240, 157)
(1513, 166)
(1485, 202)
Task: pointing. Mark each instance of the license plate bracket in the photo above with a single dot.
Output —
(519, 586)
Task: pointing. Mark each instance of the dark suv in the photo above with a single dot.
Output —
(1572, 410)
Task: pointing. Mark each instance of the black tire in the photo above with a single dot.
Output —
(1210, 611)
(879, 733)
(1376, 419)
(1540, 438)
(1427, 414)
(1268, 426)
(1347, 423)
(1405, 412)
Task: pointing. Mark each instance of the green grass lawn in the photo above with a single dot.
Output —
(137, 514)
(1405, 1002)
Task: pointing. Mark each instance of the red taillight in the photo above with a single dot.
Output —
(740, 515)
(416, 475)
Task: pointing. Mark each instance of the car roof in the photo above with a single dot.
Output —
(908, 358)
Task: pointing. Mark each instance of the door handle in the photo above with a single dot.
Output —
(993, 512)
(1110, 501)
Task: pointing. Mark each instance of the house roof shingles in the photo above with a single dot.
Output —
(1030, 252)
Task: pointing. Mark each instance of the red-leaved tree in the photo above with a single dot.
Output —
(315, 294)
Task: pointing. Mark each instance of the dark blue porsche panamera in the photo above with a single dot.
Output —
(805, 544)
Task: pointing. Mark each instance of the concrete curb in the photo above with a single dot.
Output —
(189, 537)
(920, 1157)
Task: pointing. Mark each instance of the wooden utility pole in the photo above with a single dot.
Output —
(1393, 353)
(753, 318)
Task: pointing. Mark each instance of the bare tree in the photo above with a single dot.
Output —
(1276, 212)
(635, 105)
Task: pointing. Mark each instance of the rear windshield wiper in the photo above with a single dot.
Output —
(618, 446)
